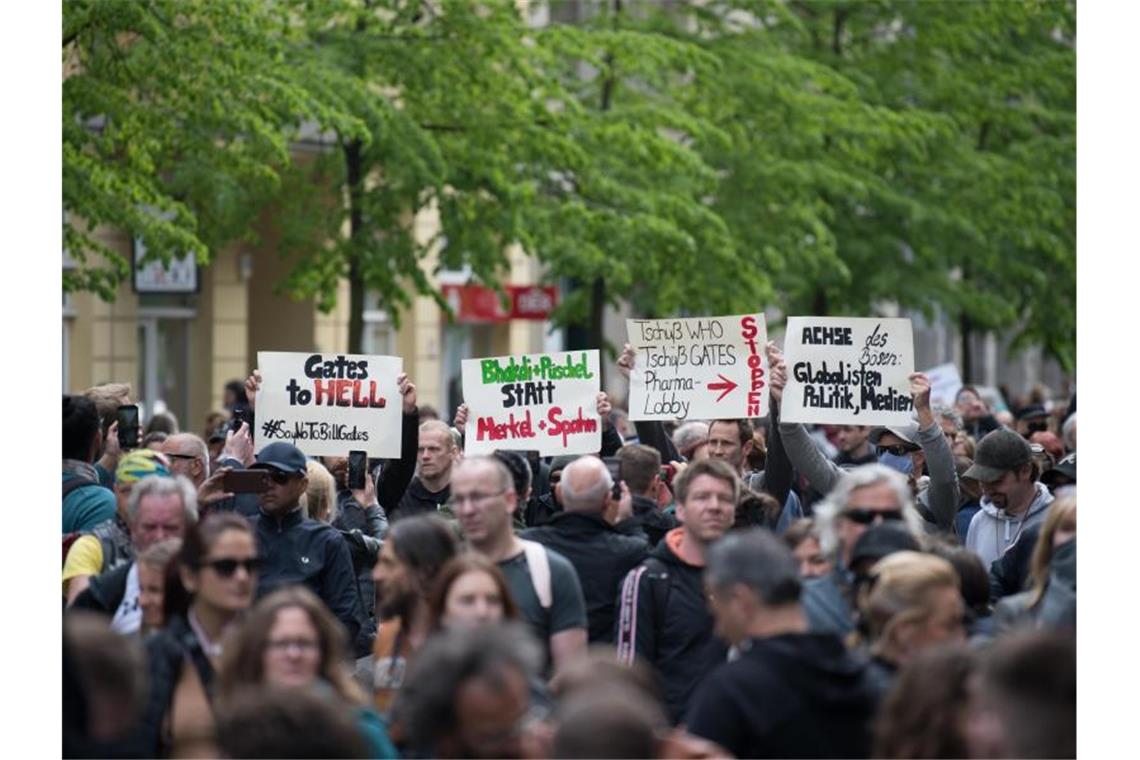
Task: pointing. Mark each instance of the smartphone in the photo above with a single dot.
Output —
(614, 466)
(246, 481)
(241, 414)
(357, 469)
(128, 419)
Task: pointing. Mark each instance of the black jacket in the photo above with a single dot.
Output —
(1010, 572)
(297, 550)
(396, 474)
(795, 695)
(650, 520)
(417, 500)
(600, 554)
(166, 651)
(664, 620)
(105, 592)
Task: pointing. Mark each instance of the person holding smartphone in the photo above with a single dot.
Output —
(300, 550)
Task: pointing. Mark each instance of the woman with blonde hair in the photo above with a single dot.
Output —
(1054, 554)
(289, 640)
(912, 602)
(319, 499)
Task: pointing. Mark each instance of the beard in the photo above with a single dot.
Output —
(394, 602)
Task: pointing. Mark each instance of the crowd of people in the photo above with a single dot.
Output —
(721, 588)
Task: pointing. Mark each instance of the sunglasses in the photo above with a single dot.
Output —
(867, 516)
(899, 449)
(281, 478)
(226, 567)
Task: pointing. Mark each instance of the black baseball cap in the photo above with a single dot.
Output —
(1031, 412)
(998, 453)
(282, 456)
(1066, 467)
(880, 540)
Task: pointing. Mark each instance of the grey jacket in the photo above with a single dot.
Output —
(992, 530)
(938, 503)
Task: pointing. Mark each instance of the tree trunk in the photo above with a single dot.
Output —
(819, 303)
(966, 330)
(354, 164)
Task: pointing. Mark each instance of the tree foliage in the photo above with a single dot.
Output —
(822, 157)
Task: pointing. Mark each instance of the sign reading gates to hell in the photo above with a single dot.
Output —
(706, 368)
(330, 404)
(546, 402)
(848, 371)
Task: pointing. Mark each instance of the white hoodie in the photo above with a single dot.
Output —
(992, 530)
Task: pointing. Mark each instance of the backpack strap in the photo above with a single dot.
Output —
(538, 564)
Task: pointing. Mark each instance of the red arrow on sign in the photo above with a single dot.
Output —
(727, 386)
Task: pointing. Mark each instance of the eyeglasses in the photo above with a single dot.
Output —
(227, 566)
(474, 498)
(867, 516)
(301, 645)
(899, 449)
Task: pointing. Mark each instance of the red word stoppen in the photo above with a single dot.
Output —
(749, 331)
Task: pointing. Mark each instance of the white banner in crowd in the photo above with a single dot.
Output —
(706, 368)
(848, 371)
(945, 382)
(543, 402)
(330, 404)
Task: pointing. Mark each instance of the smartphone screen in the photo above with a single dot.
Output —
(246, 481)
(128, 419)
(241, 414)
(357, 469)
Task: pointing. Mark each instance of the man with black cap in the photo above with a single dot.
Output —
(1031, 419)
(1064, 473)
(299, 550)
(1012, 497)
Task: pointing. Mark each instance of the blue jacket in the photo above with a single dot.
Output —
(297, 550)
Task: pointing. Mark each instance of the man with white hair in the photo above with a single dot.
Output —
(868, 495)
(584, 533)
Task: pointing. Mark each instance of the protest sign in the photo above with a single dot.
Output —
(544, 402)
(945, 382)
(706, 368)
(330, 404)
(848, 371)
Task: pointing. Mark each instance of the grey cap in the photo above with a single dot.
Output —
(907, 432)
(998, 453)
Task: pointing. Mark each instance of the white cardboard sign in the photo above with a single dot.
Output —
(330, 404)
(848, 371)
(543, 402)
(945, 382)
(707, 368)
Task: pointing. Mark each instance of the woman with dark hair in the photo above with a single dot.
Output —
(975, 587)
(209, 585)
(470, 591)
(290, 640)
(925, 714)
(234, 395)
(414, 552)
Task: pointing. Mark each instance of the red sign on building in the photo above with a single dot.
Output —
(478, 303)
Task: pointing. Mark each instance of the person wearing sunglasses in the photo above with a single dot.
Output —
(209, 584)
(300, 550)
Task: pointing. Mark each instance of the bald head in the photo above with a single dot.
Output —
(585, 484)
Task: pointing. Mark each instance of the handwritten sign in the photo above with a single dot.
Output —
(706, 368)
(945, 382)
(848, 371)
(546, 402)
(330, 404)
